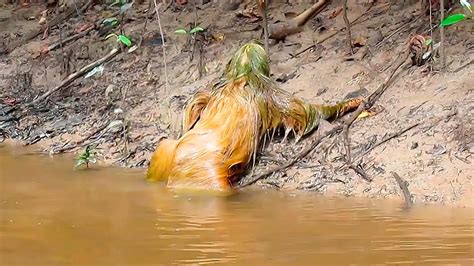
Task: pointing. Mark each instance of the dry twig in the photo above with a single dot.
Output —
(441, 32)
(162, 45)
(348, 27)
(354, 22)
(75, 75)
(389, 137)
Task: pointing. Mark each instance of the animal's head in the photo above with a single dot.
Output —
(250, 62)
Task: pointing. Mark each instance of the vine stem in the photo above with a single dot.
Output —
(443, 58)
(348, 28)
(162, 45)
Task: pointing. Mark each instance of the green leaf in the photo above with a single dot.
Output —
(110, 20)
(125, 40)
(196, 29)
(428, 42)
(79, 163)
(453, 19)
(180, 31)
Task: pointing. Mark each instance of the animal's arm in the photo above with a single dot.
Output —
(302, 117)
(194, 108)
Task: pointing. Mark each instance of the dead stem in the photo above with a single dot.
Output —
(348, 28)
(404, 187)
(162, 45)
(443, 57)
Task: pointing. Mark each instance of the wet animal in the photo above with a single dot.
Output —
(224, 127)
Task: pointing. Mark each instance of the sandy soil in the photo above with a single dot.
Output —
(435, 157)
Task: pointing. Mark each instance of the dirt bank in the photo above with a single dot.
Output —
(434, 156)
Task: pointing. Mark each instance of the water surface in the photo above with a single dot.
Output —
(53, 215)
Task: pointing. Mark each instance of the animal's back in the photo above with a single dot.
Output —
(219, 145)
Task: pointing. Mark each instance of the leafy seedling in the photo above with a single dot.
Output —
(193, 31)
(121, 39)
(87, 157)
(456, 18)
(110, 21)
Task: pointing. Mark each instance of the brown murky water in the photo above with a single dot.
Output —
(52, 215)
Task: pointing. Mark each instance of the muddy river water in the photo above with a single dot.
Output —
(53, 215)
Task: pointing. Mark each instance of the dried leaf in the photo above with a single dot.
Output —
(125, 7)
(359, 41)
(96, 70)
(335, 12)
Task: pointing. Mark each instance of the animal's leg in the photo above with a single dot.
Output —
(162, 160)
(194, 109)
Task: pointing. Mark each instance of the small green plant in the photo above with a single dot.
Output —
(110, 21)
(456, 18)
(87, 157)
(121, 39)
(193, 31)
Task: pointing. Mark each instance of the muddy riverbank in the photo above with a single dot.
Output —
(434, 156)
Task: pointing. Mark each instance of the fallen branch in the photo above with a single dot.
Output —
(75, 75)
(403, 186)
(68, 39)
(354, 22)
(368, 104)
(348, 27)
(389, 137)
(359, 171)
(298, 157)
(280, 31)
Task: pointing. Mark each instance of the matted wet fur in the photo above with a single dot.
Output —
(224, 127)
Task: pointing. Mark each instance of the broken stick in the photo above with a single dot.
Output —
(404, 187)
(75, 75)
(279, 31)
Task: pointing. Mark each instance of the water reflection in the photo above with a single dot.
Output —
(51, 215)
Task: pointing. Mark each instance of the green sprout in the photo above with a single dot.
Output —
(88, 156)
(110, 21)
(194, 30)
(121, 39)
